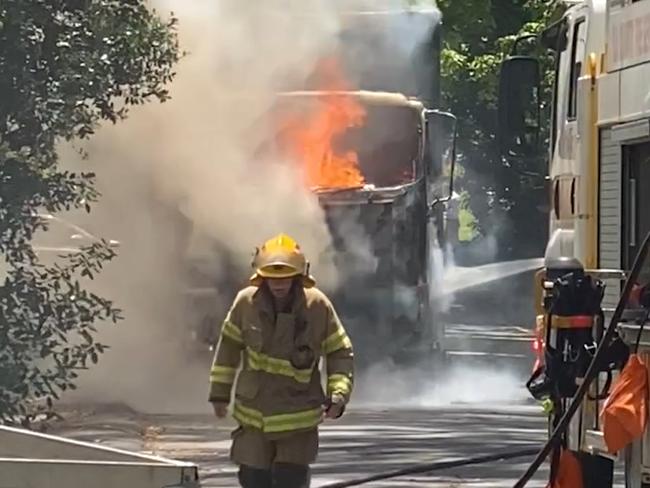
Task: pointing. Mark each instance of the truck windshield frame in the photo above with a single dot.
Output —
(388, 143)
(389, 150)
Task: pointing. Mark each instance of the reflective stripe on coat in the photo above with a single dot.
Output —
(271, 393)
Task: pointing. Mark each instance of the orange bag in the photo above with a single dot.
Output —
(569, 472)
(625, 413)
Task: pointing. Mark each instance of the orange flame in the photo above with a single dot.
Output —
(310, 140)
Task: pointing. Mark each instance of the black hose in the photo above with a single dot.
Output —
(436, 466)
(593, 369)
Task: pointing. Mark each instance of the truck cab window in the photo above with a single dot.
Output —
(578, 53)
(378, 149)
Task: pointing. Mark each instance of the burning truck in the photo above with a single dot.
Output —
(373, 147)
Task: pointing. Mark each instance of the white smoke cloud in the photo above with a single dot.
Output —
(193, 155)
(387, 385)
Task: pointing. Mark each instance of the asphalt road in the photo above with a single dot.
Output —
(366, 441)
(399, 418)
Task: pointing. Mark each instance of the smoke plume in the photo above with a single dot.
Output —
(384, 385)
(193, 156)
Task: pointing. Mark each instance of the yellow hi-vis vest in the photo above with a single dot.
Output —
(271, 393)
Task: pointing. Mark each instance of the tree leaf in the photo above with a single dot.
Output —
(63, 72)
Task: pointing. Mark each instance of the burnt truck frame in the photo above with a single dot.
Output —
(390, 313)
(389, 310)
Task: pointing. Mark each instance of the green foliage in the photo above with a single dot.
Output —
(467, 231)
(506, 201)
(65, 66)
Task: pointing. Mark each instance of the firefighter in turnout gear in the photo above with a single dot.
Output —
(277, 329)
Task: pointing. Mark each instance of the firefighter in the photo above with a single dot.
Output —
(279, 327)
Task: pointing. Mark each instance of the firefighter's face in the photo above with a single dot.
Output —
(280, 287)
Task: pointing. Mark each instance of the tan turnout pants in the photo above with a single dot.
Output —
(258, 450)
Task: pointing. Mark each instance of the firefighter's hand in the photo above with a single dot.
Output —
(334, 410)
(220, 409)
(644, 296)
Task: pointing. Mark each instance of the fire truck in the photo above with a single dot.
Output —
(598, 154)
(405, 150)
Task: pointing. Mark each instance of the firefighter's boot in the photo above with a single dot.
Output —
(286, 475)
(250, 477)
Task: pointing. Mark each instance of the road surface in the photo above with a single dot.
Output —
(366, 441)
(397, 419)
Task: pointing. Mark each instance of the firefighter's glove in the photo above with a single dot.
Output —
(220, 409)
(334, 408)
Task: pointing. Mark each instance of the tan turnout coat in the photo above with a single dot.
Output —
(273, 395)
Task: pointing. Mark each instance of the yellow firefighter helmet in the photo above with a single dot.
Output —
(281, 257)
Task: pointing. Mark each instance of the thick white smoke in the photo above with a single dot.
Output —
(194, 155)
(386, 385)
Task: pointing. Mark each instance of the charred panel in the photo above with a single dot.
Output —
(409, 237)
(362, 237)
(379, 248)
